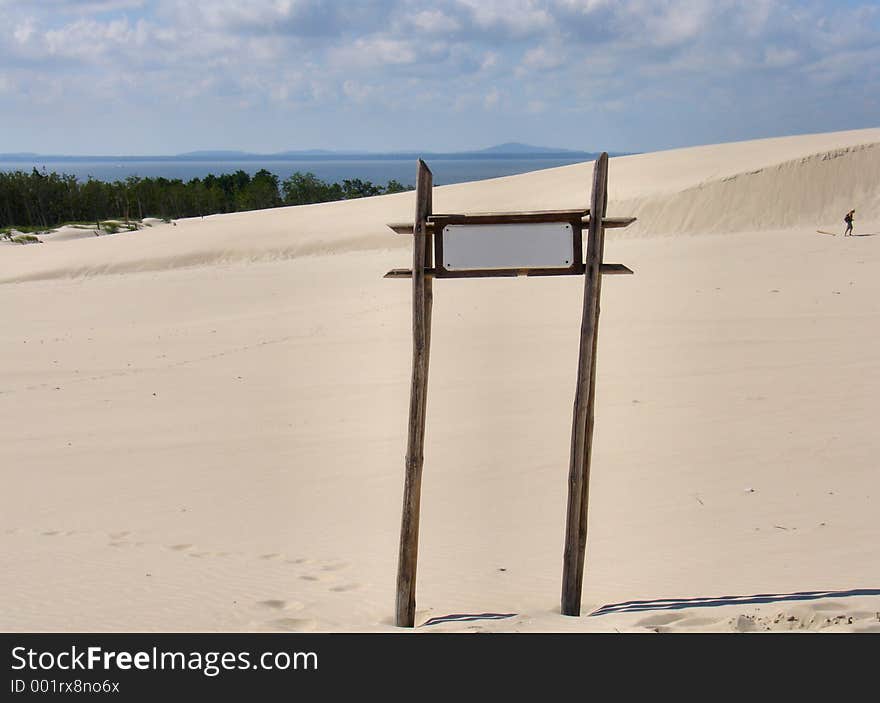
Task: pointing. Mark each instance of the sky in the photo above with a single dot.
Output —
(170, 76)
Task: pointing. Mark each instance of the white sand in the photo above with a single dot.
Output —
(203, 425)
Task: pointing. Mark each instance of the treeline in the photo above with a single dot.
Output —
(44, 200)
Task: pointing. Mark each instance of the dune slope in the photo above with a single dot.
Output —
(808, 181)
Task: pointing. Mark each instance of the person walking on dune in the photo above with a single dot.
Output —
(850, 216)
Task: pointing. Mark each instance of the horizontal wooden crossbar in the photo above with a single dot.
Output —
(494, 218)
(605, 269)
(514, 218)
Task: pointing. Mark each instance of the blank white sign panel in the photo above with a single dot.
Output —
(509, 246)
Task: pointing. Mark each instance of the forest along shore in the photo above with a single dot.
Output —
(38, 201)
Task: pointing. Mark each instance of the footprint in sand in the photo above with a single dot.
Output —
(796, 619)
(334, 567)
(179, 547)
(119, 535)
(342, 588)
(294, 624)
(744, 623)
(659, 620)
(278, 604)
(315, 577)
(696, 621)
(50, 533)
(273, 555)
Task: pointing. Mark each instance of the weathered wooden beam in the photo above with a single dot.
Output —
(495, 218)
(403, 227)
(605, 270)
(613, 222)
(405, 606)
(525, 215)
(582, 416)
(607, 223)
(615, 270)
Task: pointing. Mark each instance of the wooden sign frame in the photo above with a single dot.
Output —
(573, 219)
(426, 231)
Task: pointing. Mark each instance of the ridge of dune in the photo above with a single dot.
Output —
(766, 184)
(812, 190)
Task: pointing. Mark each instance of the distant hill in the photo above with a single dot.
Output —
(213, 155)
(231, 155)
(524, 149)
(312, 152)
(506, 150)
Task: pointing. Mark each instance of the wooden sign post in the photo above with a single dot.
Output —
(422, 301)
(543, 243)
(582, 416)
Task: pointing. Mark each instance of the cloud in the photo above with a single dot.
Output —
(311, 18)
(489, 61)
(358, 92)
(434, 22)
(379, 51)
(7, 85)
(22, 33)
(542, 58)
(492, 99)
(509, 18)
(536, 106)
(780, 57)
(554, 57)
(84, 7)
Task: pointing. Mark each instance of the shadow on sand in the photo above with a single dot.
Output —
(467, 617)
(835, 234)
(637, 606)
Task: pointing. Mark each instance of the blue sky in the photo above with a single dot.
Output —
(166, 76)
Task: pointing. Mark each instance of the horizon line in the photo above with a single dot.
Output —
(515, 149)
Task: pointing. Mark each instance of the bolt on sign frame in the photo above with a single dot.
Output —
(543, 243)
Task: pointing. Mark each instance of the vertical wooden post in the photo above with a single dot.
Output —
(422, 304)
(582, 422)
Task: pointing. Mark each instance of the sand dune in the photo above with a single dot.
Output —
(807, 181)
(215, 440)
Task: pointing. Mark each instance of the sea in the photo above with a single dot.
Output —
(379, 170)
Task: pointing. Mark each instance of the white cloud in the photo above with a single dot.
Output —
(434, 21)
(24, 31)
(533, 55)
(7, 85)
(536, 106)
(541, 58)
(89, 39)
(92, 6)
(358, 92)
(516, 18)
(780, 57)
